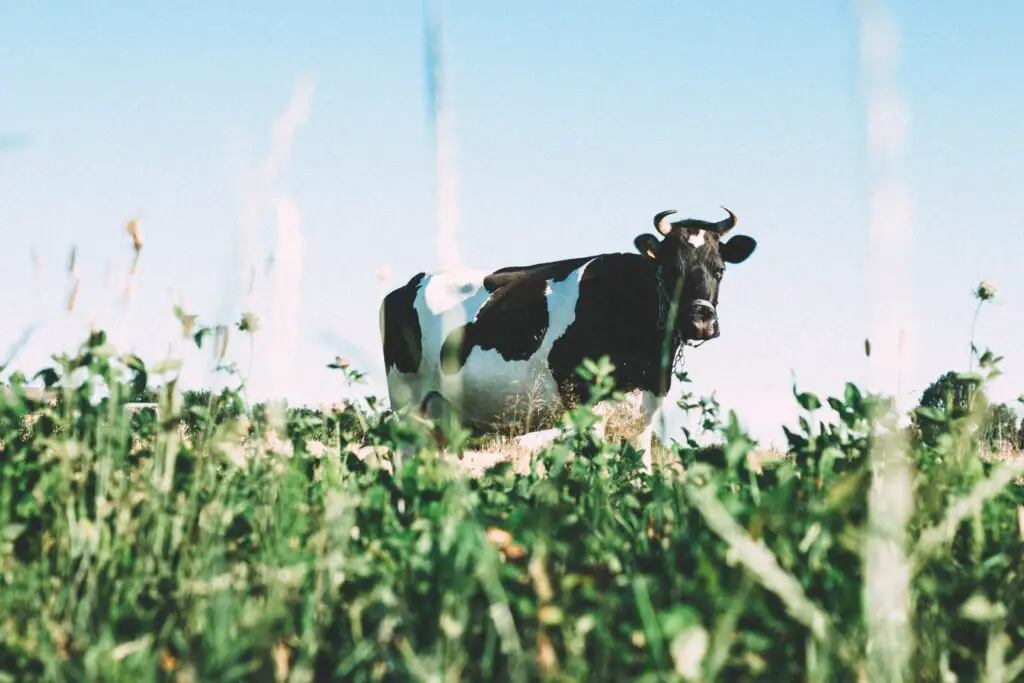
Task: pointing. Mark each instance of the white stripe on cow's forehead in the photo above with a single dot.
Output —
(696, 238)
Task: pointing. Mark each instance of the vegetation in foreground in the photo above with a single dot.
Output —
(177, 545)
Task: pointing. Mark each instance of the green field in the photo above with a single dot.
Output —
(211, 540)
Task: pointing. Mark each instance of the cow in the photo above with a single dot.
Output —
(502, 348)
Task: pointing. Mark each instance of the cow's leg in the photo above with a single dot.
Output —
(625, 411)
(403, 390)
(652, 418)
(442, 414)
(603, 410)
(640, 405)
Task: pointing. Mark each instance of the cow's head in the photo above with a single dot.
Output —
(691, 262)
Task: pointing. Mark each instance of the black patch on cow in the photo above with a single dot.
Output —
(617, 316)
(403, 338)
(514, 319)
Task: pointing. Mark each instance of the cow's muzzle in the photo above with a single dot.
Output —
(703, 321)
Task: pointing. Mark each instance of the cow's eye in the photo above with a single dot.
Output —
(719, 273)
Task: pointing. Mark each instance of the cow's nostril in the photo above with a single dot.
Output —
(703, 313)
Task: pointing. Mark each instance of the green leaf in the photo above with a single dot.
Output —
(828, 460)
(132, 361)
(200, 335)
(978, 608)
(988, 359)
(104, 351)
(931, 414)
(166, 366)
(97, 339)
(738, 444)
(844, 491)
(140, 379)
(49, 377)
(852, 397)
(808, 401)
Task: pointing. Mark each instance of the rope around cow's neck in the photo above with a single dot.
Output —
(678, 360)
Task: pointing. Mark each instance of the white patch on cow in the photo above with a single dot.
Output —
(489, 389)
(442, 292)
(652, 417)
(696, 238)
(443, 302)
(534, 441)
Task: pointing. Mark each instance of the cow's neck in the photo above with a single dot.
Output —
(666, 316)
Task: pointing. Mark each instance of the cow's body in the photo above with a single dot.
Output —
(502, 347)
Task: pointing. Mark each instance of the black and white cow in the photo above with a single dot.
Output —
(502, 348)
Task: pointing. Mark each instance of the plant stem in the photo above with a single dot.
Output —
(974, 325)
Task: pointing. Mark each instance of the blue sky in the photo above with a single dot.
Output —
(571, 129)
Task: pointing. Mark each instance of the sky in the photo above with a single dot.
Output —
(281, 160)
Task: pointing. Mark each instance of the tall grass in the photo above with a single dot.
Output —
(184, 545)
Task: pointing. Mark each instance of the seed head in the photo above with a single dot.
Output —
(249, 323)
(133, 230)
(985, 292)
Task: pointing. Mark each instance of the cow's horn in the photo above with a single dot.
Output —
(659, 217)
(726, 224)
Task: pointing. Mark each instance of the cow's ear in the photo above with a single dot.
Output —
(737, 249)
(647, 244)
